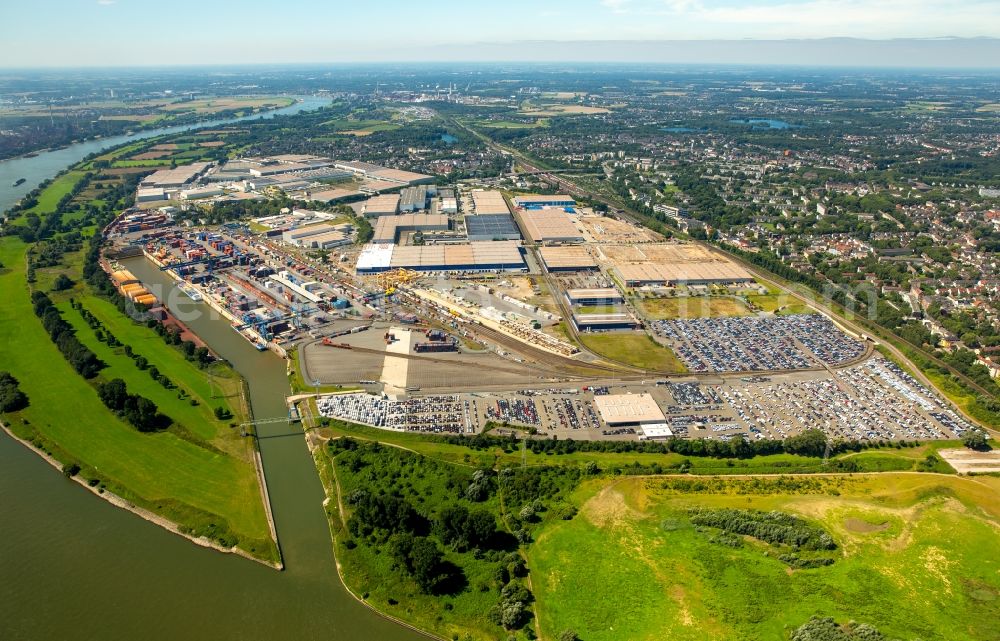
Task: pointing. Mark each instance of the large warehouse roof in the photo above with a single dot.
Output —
(177, 176)
(567, 258)
(490, 226)
(691, 272)
(550, 225)
(388, 227)
(621, 409)
(383, 205)
(527, 200)
(604, 293)
(489, 202)
(481, 255)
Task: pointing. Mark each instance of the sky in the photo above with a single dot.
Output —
(161, 32)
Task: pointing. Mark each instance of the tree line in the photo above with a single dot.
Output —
(775, 528)
(140, 412)
(85, 362)
(811, 443)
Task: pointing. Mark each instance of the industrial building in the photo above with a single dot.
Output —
(687, 273)
(384, 174)
(473, 257)
(332, 195)
(604, 322)
(388, 228)
(604, 296)
(177, 177)
(413, 199)
(549, 226)
(489, 202)
(383, 205)
(567, 259)
(533, 201)
(629, 409)
(491, 227)
(320, 236)
(201, 192)
(449, 205)
(150, 194)
(288, 281)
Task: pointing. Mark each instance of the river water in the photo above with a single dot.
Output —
(74, 567)
(48, 163)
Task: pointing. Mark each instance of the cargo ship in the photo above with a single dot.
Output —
(191, 292)
(254, 339)
(19, 182)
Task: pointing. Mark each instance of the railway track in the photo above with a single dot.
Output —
(434, 359)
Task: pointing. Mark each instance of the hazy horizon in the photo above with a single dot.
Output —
(833, 53)
(111, 33)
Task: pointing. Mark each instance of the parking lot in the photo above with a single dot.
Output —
(758, 343)
(871, 401)
(423, 414)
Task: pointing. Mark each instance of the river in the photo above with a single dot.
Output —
(48, 163)
(74, 566)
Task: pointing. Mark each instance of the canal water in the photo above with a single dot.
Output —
(48, 163)
(74, 567)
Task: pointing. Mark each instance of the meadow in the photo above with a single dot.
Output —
(199, 473)
(691, 307)
(634, 349)
(632, 566)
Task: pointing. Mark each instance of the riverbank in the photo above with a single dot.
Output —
(143, 513)
(141, 127)
(198, 475)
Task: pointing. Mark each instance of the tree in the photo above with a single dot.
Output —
(113, 394)
(808, 443)
(203, 356)
(462, 529)
(12, 398)
(425, 561)
(568, 635)
(62, 283)
(975, 440)
(420, 558)
(142, 413)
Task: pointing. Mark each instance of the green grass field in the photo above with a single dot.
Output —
(691, 307)
(197, 485)
(635, 349)
(631, 566)
(51, 195)
(779, 304)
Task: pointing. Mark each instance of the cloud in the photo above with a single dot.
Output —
(697, 19)
(618, 6)
(106, 3)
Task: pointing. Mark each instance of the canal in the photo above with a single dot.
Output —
(73, 566)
